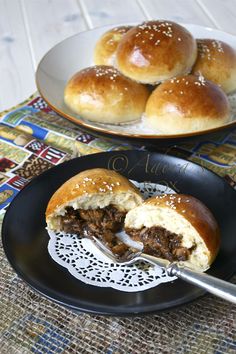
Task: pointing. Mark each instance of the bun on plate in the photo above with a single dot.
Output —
(186, 104)
(102, 94)
(105, 49)
(176, 227)
(155, 51)
(94, 200)
(216, 61)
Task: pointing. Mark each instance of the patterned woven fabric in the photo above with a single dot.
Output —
(33, 139)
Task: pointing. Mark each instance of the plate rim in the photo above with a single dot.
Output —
(102, 309)
(85, 124)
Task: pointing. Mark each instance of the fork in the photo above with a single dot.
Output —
(218, 287)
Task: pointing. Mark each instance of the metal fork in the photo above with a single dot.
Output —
(218, 287)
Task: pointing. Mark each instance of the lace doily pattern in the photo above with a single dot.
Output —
(86, 263)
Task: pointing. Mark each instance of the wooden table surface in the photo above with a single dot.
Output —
(29, 28)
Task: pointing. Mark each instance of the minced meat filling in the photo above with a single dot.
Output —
(105, 222)
(102, 223)
(161, 243)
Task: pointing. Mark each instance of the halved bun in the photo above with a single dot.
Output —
(187, 104)
(92, 189)
(216, 61)
(189, 219)
(105, 49)
(102, 94)
(155, 51)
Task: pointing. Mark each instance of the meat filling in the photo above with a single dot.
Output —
(101, 223)
(161, 243)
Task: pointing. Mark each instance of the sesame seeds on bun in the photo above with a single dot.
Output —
(133, 60)
(92, 189)
(216, 61)
(102, 94)
(155, 51)
(186, 104)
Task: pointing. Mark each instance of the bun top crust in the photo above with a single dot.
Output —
(186, 104)
(90, 188)
(196, 213)
(216, 61)
(105, 49)
(155, 51)
(102, 94)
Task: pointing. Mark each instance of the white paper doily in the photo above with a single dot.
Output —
(86, 263)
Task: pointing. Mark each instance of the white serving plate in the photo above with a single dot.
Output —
(76, 53)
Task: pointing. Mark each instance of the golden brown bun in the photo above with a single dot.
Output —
(92, 189)
(184, 215)
(216, 61)
(102, 94)
(186, 104)
(105, 49)
(155, 51)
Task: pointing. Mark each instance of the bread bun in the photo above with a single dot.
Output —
(155, 51)
(105, 49)
(92, 189)
(102, 94)
(216, 61)
(186, 104)
(176, 226)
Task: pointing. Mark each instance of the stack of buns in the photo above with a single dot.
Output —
(159, 72)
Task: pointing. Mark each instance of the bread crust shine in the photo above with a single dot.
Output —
(216, 61)
(102, 94)
(155, 51)
(186, 104)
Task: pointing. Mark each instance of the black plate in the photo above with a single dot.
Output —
(25, 239)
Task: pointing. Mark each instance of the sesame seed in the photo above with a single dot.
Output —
(87, 179)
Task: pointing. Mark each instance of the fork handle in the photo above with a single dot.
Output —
(218, 287)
